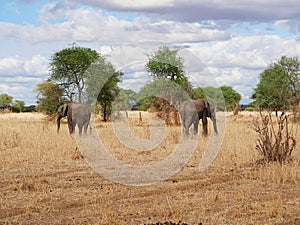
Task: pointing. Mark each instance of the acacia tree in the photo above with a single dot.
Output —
(166, 63)
(102, 85)
(278, 89)
(166, 67)
(279, 85)
(291, 67)
(68, 68)
(231, 97)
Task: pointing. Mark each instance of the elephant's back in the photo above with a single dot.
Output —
(187, 107)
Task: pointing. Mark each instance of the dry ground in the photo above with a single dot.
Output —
(44, 179)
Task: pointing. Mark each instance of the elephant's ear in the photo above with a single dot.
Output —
(206, 104)
(65, 109)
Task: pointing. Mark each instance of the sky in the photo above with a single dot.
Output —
(221, 42)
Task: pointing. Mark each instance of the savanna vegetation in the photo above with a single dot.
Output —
(95, 81)
(45, 180)
(7, 104)
(254, 179)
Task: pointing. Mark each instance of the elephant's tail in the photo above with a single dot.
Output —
(58, 124)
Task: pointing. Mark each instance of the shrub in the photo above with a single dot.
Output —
(249, 109)
(18, 106)
(275, 140)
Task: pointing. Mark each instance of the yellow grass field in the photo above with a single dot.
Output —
(45, 180)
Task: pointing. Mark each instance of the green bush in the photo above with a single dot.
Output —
(250, 109)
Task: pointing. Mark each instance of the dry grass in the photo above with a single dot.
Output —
(44, 180)
(276, 140)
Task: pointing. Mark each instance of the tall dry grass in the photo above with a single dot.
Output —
(276, 140)
(44, 179)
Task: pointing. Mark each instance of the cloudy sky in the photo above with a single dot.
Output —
(222, 42)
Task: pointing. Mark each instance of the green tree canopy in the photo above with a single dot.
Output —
(102, 85)
(279, 85)
(231, 97)
(68, 68)
(166, 63)
(18, 106)
(5, 99)
(291, 67)
(165, 66)
(126, 99)
(49, 97)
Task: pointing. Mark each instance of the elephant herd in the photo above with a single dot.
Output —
(191, 112)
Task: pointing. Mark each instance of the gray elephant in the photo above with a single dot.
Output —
(76, 113)
(191, 111)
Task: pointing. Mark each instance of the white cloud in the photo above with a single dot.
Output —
(13, 65)
(21, 79)
(3, 88)
(292, 26)
(85, 24)
(251, 52)
(217, 52)
(36, 65)
(130, 4)
(6, 88)
(237, 62)
(134, 80)
(17, 91)
(20, 88)
(10, 65)
(18, 76)
(128, 57)
(195, 10)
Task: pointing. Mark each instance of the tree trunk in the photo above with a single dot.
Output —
(79, 93)
(236, 109)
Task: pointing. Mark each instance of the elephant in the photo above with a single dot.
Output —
(191, 111)
(76, 113)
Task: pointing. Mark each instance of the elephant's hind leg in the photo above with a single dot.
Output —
(204, 124)
(71, 125)
(196, 123)
(85, 128)
(185, 130)
(80, 130)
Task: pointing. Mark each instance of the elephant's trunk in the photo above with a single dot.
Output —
(214, 120)
(215, 124)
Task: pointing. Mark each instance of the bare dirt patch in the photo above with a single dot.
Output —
(44, 180)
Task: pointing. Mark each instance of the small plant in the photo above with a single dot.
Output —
(275, 141)
(249, 109)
